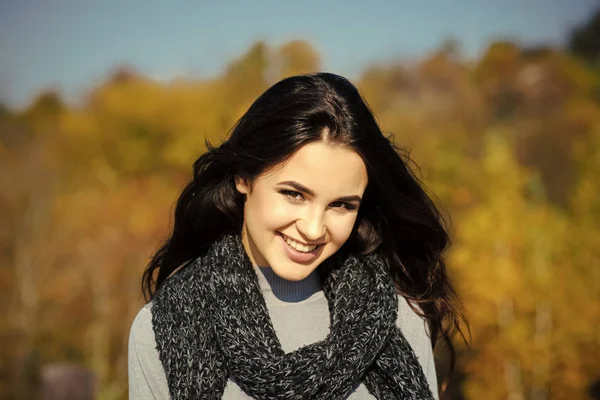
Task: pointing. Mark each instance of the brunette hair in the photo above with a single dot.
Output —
(396, 218)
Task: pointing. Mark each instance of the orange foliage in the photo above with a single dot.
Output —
(509, 144)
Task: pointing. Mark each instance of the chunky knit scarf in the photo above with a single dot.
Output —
(211, 323)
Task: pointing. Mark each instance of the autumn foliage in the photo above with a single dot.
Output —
(509, 143)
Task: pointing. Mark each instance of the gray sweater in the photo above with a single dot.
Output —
(300, 316)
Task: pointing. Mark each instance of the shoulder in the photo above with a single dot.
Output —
(409, 321)
(416, 331)
(178, 291)
(146, 374)
(177, 314)
(141, 335)
(182, 277)
(413, 326)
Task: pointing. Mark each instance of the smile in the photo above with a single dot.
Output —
(302, 248)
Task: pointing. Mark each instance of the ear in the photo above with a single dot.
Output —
(242, 185)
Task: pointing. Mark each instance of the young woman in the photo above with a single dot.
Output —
(305, 262)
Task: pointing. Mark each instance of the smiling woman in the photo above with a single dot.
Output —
(305, 261)
(300, 213)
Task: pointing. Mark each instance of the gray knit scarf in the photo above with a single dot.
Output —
(211, 323)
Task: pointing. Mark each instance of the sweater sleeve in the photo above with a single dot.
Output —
(147, 379)
(416, 332)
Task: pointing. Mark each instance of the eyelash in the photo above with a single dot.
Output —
(292, 196)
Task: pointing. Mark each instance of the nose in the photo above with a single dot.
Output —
(312, 226)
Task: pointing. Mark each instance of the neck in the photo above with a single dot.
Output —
(278, 289)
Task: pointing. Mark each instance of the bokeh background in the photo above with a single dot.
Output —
(105, 105)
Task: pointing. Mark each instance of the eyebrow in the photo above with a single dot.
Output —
(304, 189)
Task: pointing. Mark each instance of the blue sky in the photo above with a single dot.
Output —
(72, 44)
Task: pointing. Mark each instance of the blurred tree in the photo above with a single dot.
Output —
(584, 41)
(27, 195)
(501, 141)
(247, 76)
(576, 342)
(452, 48)
(496, 74)
(295, 58)
(502, 258)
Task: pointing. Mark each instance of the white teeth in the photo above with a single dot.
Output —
(299, 246)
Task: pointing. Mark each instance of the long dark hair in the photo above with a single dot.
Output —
(396, 218)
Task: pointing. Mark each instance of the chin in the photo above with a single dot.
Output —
(296, 273)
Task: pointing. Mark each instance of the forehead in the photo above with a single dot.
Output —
(326, 169)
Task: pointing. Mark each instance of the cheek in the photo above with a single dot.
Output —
(279, 215)
(269, 212)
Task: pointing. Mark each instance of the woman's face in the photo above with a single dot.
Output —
(301, 212)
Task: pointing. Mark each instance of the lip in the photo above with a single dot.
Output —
(297, 256)
(306, 244)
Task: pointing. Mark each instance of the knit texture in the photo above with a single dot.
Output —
(211, 323)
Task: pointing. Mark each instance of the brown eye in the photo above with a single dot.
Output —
(345, 206)
(292, 195)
